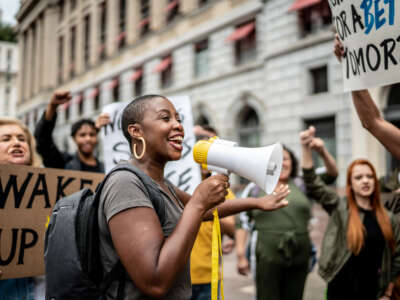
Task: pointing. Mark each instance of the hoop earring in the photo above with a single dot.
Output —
(143, 151)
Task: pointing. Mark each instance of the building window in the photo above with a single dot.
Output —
(319, 80)
(103, 30)
(61, 6)
(244, 38)
(144, 23)
(249, 130)
(325, 128)
(203, 2)
(201, 60)
(96, 98)
(9, 59)
(86, 50)
(121, 38)
(72, 52)
(114, 86)
(79, 101)
(165, 70)
(137, 79)
(172, 10)
(60, 59)
(313, 17)
(202, 120)
(72, 5)
(66, 110)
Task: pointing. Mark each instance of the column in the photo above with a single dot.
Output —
(112, 26)
(28, 63)
(38, 55)
(50, 48)
(126, 86)
(132, 21)
(105, 93)
(94, 34)
(79, 43)
(22, 67)
(157, 14)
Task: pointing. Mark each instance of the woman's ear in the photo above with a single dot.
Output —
(134, 130)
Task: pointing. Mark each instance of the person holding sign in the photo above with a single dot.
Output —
(17, 146)
(83, 132)
(360, 254)
(155, 256)
(370, 117)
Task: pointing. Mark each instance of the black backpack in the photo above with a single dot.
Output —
(71, 252)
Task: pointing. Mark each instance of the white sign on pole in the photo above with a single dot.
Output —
(184, 173)
(369, 31)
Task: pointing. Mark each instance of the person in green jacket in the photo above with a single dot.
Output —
(360, 253)
(283, 247)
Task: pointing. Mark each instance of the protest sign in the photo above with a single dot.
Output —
(184, 173)
(27, 195)
(369, 31)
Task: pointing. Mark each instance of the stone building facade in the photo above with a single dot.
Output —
(8, 78)
(258, 71)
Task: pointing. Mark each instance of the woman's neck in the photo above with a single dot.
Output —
(363, 202)
(152, 168)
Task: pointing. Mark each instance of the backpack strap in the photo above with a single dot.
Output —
(118, 271)
(152, 189)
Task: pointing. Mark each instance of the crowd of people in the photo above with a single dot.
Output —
(359, 256)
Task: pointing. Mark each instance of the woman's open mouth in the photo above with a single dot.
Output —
(176, 142)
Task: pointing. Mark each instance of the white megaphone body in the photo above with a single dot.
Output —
(261, 165)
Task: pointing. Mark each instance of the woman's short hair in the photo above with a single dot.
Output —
(78, 124)
(295, 162)
(35, 159)
(134, 112)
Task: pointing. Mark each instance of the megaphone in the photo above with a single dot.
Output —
(260, 165)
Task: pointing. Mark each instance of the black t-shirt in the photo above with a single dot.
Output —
(97, 168)
(358, 279)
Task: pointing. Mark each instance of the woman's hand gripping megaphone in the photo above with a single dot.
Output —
(211, 192)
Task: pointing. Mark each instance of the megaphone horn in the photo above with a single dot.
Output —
(261, 165)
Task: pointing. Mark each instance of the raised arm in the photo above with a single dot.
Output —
(370, 117)
(52, 157)
(318, 145)
(316, 188)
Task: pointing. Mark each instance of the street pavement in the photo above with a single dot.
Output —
(237, 287)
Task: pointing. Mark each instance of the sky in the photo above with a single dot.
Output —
(9, 8)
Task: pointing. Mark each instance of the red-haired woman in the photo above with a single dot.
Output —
(359, 255)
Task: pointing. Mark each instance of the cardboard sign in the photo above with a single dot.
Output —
(369, 31)
(27, 195)
(184, 173)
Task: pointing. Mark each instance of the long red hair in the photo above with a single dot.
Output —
(356, 230)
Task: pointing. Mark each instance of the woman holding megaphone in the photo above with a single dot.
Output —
(360, 250)
(154, 255)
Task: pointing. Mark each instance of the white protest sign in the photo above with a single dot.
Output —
(184, 173)
(370, 33)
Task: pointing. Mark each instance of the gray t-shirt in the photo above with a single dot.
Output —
(124, 190)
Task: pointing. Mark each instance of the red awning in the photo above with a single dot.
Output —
(94, 93)
(144, 22)
(120, 36)
(171, 5)
(241, 32)
(163, 65)
(301, 4)
(136, 75)
(114, 83)
(78, 98)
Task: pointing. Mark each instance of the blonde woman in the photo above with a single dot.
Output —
(17, 146)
